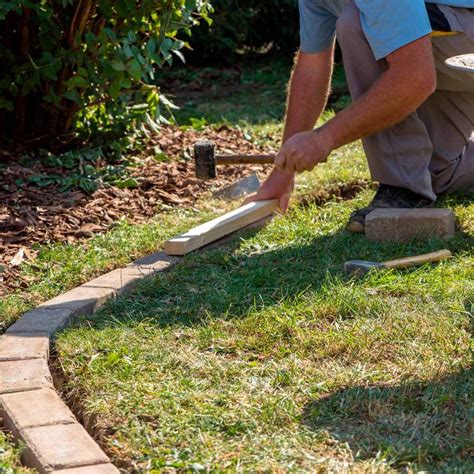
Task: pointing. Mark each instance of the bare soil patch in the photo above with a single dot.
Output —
(337, 192)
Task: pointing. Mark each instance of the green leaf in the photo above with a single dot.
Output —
(6, 104)
(126, 83)
(50, 72)
(126, 183)
(77, 81)
(111, 34)
(114, 89)
(118, 65)
(135, 69)
(151, 46)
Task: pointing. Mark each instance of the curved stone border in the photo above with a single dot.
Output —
(30, 407)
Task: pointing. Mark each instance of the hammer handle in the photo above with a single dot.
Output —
(418, 260)
(245, 159)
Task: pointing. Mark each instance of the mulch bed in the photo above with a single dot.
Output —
(30, 214)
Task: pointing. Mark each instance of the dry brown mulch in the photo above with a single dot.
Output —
(30, 214)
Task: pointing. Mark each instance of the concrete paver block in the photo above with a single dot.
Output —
(43, 320)
(122, 280)
(22, 346)
(33, 408)
(84, 299)
(157, 262)
(23, 375)
(402, 225)
(56, 447)
(97, 469)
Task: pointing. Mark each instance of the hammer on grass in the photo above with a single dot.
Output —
(362, 267)
(206, 160)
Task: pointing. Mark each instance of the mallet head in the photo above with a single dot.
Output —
(361, 267)
(205, 159)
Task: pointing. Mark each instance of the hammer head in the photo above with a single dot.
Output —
(361, 267)
(205, 159)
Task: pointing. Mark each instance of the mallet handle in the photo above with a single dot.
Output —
(419, 259)
(245, 159)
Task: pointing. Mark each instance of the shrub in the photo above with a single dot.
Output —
(88, 63)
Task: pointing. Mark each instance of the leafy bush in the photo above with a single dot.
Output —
(243, 26)
(64, 60)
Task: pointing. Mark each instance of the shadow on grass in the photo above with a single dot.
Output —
(419, 422)
(223, 283)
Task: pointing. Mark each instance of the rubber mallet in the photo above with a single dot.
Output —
(362, 267)
(206, 160)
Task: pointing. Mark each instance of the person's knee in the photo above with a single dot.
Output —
(348, 24)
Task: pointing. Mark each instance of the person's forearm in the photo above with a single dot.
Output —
(307, 96)
(393, 97)
(383, 106)
(308, 92)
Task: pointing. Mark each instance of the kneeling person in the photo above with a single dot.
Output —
(414, 114)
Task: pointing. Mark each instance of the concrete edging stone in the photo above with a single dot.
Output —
(30, 407)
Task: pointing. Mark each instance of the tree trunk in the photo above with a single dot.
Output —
(32, 117)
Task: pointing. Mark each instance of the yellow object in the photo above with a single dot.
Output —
(444, 33)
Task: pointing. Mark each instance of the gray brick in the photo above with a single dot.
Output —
(22, 375)
(43, 320)
(97, 469)
(402, 225)
(84, 299)
(51, 448)
(34, 408)
(156, 262)
(122, 280)
(22, 346)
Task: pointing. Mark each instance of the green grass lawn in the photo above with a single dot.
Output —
(10, 457)
(264, 356)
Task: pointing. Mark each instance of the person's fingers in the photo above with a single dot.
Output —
(250, 199)
(258, 196)
(280, 160)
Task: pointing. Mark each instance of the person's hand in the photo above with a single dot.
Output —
(303, 151)
(279, 185)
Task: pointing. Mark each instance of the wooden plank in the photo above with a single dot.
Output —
(217, 228)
